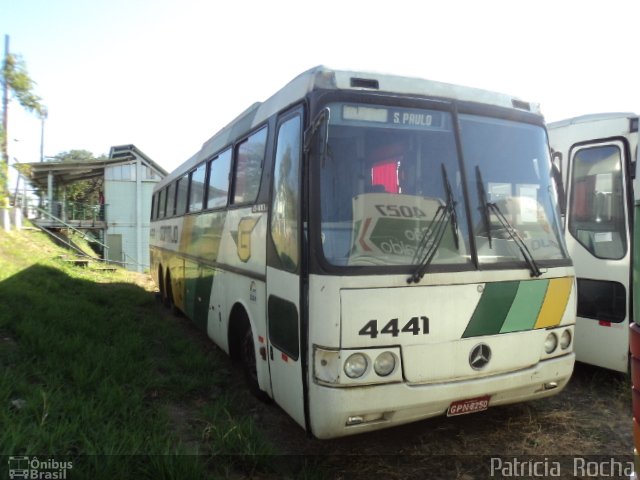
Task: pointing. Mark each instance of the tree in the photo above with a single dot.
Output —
(76, 156)
(82, 191)
(16, 82)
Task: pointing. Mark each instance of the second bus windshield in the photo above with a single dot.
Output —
(391, 188)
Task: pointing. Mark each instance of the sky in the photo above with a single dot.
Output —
(165, 75)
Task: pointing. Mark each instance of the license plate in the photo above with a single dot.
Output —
(470, 405)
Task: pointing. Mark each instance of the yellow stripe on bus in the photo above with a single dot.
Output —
(555, 302)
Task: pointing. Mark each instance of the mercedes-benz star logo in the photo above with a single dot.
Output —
(479, 356)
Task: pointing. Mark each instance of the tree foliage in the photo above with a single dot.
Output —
(15, 75)
(15, 78)
(82, 191)
(77, 156)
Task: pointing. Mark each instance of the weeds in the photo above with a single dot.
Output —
(89, 363)
(93, 370)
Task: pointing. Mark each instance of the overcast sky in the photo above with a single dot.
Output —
(166, 75)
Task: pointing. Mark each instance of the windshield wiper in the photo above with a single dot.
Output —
(484, 204)
(452, 205)
(515, 236)
(427, 248)
(488, 207)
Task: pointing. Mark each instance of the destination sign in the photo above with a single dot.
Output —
(412, 118)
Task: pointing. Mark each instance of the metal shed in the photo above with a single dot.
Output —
(121, 220)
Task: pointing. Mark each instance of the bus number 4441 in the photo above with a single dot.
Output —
(415, 326)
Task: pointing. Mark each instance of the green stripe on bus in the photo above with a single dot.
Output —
(492, 309)
(198, 283)
(526, 306)
(203, 298)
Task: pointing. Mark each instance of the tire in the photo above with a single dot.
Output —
(161, 285)
(248, 361)
(169, 302)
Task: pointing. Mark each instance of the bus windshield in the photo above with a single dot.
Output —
(392, 193)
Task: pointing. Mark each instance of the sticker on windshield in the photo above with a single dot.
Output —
(394, 227)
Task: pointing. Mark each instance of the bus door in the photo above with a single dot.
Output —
(599, 243)
(283, 270)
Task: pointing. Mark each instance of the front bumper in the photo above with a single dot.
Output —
(383, 406)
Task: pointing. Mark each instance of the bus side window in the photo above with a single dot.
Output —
(196, 189)
(597, 215)
(181, 195)
(171, 200)
(219, 180)
(286, 194)
(160, 212)
(248, 167)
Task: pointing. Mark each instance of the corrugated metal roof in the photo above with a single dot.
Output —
(70, 172)
(593, 117)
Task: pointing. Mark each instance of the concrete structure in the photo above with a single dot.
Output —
(128, 188)
(121, 221)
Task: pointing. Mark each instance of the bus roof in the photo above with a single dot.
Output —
(594, 117)
(322, 77)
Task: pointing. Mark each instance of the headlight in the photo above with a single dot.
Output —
(385, 364)
(356, 365)
(551, 343)
(565, 339)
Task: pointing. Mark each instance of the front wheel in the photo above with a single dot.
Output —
(249, 364)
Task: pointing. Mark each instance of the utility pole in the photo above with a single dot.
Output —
(5, 102)
(4, 161)
(43, 116)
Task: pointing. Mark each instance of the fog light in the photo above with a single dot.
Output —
(366, 418)
(356, 365)
(551, 343)
(385, 364)
(565, 339)
(355, 420)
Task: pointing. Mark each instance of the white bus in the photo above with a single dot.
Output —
(375, 250)
(634, 331)
(596, 155)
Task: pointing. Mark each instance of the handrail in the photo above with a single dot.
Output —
(70, 245)
(105, 260)
(84, 235)
(84, 211)
(132, 262)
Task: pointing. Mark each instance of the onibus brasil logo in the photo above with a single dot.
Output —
(34, 468)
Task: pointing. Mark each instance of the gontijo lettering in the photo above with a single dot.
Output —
(169, 234)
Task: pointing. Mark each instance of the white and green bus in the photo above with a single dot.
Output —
(375, 250)
(596, 156)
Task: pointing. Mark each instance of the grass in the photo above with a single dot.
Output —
(94, 370)
(90, 369)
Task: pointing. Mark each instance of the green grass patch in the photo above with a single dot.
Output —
(91, 369)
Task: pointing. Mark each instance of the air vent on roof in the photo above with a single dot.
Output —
(521, 105)
(365, 83)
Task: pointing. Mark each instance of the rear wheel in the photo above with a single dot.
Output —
(169, 302)
(161, 284)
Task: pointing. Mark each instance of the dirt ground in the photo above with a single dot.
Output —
(590, 417)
